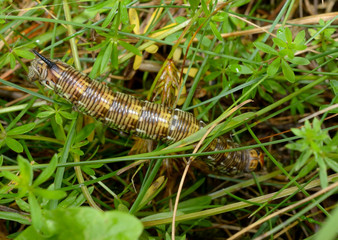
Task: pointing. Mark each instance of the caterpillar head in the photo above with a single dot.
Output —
(46, 71)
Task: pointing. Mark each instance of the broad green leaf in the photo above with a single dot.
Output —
(122, 207)
(297, 132)
(123, 12)
(89, 168)
(277, 87)
(21, 130)
(26, 171)
(49, 194)
(14, 144)
(12, 61)
(10, 176)
(300, 47)
(241, 69)
(219, 17)
(299, 61)
(80, 144)
(273, 67)
(265, 48)
(265, 95)
(290, 53)
(111, 14)
(307, 168)
(68, 115)
(307, 125)
(25, 53)
(4, 59)
(58, 130)
(300, 38)
(88, 223)
(281, 34)
(96, 66)
(205, 8)
(98, 46)
(30, 233)
(45, 114)
(287, 71)
(193, 5)
(78, 152)
(23, 205)
(130, 48)
(47, 172)
(302, 159)
(106, 56)
(312, 32)
(288, 35)
(215, 31)
(36, 214)
(267, 85)
(279, 42)
(282, 53)
(47, 108)
(293, 146)
(58, 119)
(85, 132)
(316, 125)
(332, 164)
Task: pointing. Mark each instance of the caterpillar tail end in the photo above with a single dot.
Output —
(255, 161)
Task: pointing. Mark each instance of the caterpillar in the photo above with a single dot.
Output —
(131, 115)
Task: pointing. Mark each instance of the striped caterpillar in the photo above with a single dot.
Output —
(134, 116)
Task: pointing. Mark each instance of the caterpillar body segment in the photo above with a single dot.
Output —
(131, 115)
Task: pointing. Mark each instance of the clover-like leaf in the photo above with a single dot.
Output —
(14, 144)
(21, 129)
(299, 61)
(287, 71)
(273, 67)
(265, 48)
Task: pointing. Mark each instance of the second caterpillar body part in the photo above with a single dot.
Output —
(131, 115)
